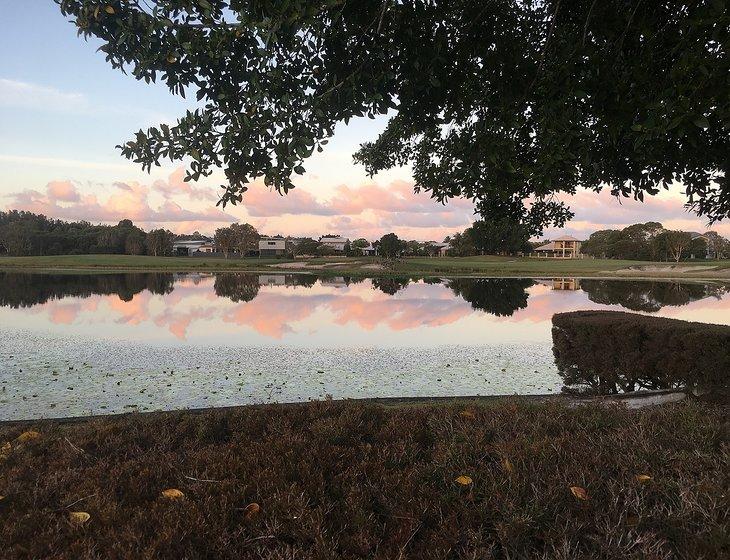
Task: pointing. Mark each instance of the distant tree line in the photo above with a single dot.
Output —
(28, 234)
(650, 241)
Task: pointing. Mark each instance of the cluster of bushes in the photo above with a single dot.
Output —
(611, 352)
(27, 234)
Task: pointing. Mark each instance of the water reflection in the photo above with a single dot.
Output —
(498, 296)
(272, 304)
(647, 295)
(78, 343)
(26, 290)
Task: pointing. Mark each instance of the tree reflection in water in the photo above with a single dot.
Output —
(29, 289)
(649, 296)
(498, 296)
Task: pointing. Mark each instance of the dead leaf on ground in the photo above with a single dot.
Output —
(507, 465)
(579, 492)
(172, 494)
(78, 517)
(643, 477)
(467, 414)
(28, 436)
(251, 511)
(464, 480)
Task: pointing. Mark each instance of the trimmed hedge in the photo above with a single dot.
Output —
(611, 352)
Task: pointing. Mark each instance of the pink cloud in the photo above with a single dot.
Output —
(596, 211)
(126, 201)
(176, 185)
(260, 201)
(62, 190)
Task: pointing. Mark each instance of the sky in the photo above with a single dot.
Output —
(63, 110)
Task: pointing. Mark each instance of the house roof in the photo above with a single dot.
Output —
(566, 238)
(547, 247)
(333, 239)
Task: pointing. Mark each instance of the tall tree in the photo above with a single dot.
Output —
(506, 103)
(676, 242)
(306, 246)
(159, 242)
(500, 236)
(390, 246)
(246, 238)
(225, 240)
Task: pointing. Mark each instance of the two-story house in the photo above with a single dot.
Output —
(564, 247)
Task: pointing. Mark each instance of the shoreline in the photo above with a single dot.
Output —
(723, 275)
(632, 401)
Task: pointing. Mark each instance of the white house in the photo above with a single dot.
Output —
(335, 243)
(369, 251)
(274, 246)
(188, 247)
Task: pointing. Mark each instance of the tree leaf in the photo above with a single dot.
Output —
(701, 122)
(28, 436)
(579, 492)
(464, 480)
(109, 10)
(643, 477)
(78, 517)
(172, 494)
(251, 511)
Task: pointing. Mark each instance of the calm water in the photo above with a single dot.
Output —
(75, 344)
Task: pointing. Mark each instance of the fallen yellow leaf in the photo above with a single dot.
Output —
(172, 494)
(5, 450)
(27, 436)
(507, 465)
(464, 480)
(643, 477)
(109, 10)
(78, 517)
(2, 498)
(579, 492)
(467, 414)
(251, 511)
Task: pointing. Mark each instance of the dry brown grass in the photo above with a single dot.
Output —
(347, 480)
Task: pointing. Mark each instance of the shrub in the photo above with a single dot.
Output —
(612, 351)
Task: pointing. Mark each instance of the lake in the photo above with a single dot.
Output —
(78, 344)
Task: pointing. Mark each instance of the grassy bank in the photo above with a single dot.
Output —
(447, 266)
(351, 480)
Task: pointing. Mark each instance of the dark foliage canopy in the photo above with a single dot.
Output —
(511, 103)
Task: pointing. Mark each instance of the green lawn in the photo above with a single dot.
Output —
(371, 266)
